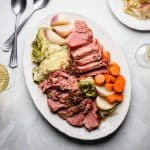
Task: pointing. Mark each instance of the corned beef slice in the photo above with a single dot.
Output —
(85, 106)
(88, 59)
(81, 35)
(94, 72)
(66, 113)
(76, 120)
(89, 105)
(55, 105)
(57, 95)
(92, 66)
(93, 47)
(92, 119)
(45, 85)
(71, 111)
(61, 81)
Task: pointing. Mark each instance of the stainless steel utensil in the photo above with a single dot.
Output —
(37, 4)
(18, 7)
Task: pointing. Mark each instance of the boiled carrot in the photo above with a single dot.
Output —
(100, 79)
(109, 78)
(119, 84)
(109, 86)
(115, 98)
(114, 69)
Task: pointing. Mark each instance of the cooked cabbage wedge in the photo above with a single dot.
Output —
(56, 58)
(39, 46)
(47, 56)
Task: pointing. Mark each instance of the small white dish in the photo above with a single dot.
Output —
(129, 21)
(106, 127)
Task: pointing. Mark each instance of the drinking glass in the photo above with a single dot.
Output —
(8, 81)
(142, 56)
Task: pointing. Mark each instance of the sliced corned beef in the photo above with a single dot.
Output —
(94, 57)
(89, 105)
(81, 35)
(84, 106)
(91, 48)
(63, 81)
(94, 72)
(76, 120)
(57, 95)
(55, 105)
(45, 85)
(53, 94)
(92, 66)
(66, 113)
(71, 111)
(92, 119)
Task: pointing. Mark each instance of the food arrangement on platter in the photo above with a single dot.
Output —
(83, 85)
(137, 8)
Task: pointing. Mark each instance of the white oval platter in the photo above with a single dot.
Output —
(106, 127)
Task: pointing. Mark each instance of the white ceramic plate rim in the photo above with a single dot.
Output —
(107, 127)
(129, 21)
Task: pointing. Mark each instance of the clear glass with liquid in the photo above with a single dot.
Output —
(6, 78)
(142, 56)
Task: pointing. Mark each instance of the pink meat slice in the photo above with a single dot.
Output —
(88, 59)
(66, 113)
(57, 95)
(64, 81)
(55, 105)
(85, 105)
(76, 120)
(81, 35)
(92, 66)
(92, 119)
(71, 111)
(61, 81)
(94, 47)
(89, 106)
(94, 72)
(45, 85)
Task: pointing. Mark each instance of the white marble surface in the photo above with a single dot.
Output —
(21, 125)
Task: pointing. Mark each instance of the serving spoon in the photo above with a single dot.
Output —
(37, 4)
(18, 7)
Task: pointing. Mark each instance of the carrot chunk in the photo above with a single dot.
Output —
(115, 98)
(109, 86)
(119, 84)
(100, 79)
(114, 69)
(109, 78)
(106, 54)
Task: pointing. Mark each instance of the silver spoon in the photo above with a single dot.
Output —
(37, 4)
(18, 7)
